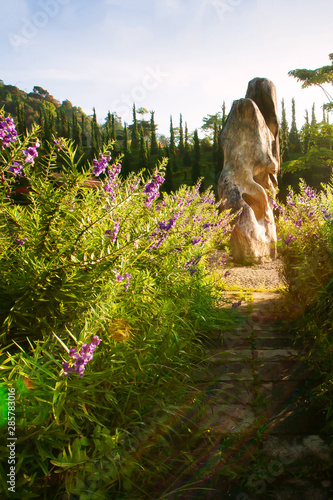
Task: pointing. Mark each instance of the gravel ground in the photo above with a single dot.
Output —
(264, 275)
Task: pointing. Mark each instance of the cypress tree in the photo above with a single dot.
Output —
(125, 142)
(76, 132)
(21, 122)
(224, 116)
(196, 158)
(95, 137)
(187, 161)
(126, 162)
(84, 138)
(313, 117)
(294, 139)
(58, 122)
(181, 136)
(167, 185)
(63, 124)
(305, 133)
(49, 121)
(154, 149)
(217, 151)
(135, 138)
(172, 146)
(41, 120)
(113, 129)
(107, 134)
(284, 135)
(143, 157)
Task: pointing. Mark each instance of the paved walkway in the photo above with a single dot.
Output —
(252, 396)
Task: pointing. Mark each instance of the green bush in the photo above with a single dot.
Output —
(113, 259)
(306, 248)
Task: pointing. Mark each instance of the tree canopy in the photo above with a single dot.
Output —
(317, 77)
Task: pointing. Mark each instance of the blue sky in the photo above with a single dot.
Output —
(170, 56)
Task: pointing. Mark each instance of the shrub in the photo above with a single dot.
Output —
(306, 249)
(305, 238)
(83, 261)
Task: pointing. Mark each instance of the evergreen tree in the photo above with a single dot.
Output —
(126, 163)
(172, 149)
(294, 138)
(107, 133)
(196, 158)
(49, 125)
(284, 135)
(167, 185)
(63, 124)
(135, 138)
(224, 116)
(187, 160)
(313, 116)
(76, 133)
(125, 141)
(143, 157)
(41, 120)
(172, 145)
(95, 137)
(113, 129)
(217, 152)
(154, 149)
(306, 133)
(181, 146)
(21, 122)
(84, 138)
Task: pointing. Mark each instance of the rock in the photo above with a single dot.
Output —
(248, 181)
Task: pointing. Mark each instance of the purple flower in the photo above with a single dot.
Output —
(115, 170)
(122, 277)
(8, 133)
(327, 215)
(114, 233)
(16, 169)
(236, 304)
(167, 226)
(113, 182)
(31, 153)
(289, 200)
(223, 260)
(290, 238)
(298, 223)
(309, 193)
(163, 228)
(274, 204)
(196, 241)
(210, 198)
(100, 166)
(134, 185)
(151, 189)
(21, 241)
(227, 273)
(95, 340)
(82, 358)
(191, 265)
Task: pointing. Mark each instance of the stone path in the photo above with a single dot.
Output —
(252, 397)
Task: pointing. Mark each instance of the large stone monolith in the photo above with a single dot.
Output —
(248, 181)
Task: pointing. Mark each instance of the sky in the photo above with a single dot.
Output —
(168, 56)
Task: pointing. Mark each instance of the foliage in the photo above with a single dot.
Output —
(81, 257)
(306, 250)
(316, 77)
